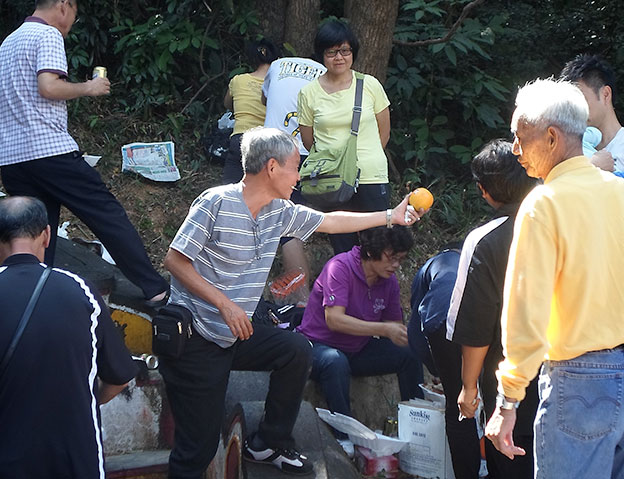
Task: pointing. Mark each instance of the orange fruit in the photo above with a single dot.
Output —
(421, 198)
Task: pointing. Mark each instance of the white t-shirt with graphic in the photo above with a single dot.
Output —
(286, 76)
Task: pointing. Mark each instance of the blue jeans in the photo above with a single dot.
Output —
(333, 369)
(579, 427)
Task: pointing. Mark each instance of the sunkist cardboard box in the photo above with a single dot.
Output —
(426, 454)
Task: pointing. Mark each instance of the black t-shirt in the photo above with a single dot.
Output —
(478, 318)
(49, 418)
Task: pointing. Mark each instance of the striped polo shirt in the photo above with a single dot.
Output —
(31, 126)
(233, 251)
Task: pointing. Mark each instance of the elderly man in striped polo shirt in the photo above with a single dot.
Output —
(219, 261)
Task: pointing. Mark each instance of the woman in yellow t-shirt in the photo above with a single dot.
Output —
(244, 98)
(325, 110)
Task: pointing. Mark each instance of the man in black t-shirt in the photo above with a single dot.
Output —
(476, 303)
(49, 392)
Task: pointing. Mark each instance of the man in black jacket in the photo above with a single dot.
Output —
(69, 360)
(476, 303)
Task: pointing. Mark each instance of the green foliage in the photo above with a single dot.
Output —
(443, 97)
(244, 22)
(152, 54)
(169, 62)
(458, 208)
(160, 53)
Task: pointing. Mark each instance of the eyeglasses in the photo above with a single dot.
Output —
(345, 52)
(395, 258)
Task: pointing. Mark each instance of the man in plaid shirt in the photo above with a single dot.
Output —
(40, 158)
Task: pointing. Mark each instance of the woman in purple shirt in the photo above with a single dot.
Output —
(355, 322)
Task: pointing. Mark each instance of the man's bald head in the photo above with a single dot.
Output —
(21, 217)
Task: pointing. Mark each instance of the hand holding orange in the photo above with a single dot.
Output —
(421, 198)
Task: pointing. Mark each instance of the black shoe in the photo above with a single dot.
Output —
(287, 460)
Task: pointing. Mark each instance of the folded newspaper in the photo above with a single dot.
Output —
(155, 161)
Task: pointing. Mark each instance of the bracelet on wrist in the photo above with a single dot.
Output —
(388, 218)
(503, 403)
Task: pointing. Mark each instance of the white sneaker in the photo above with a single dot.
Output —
(287, 460)
(347, 446)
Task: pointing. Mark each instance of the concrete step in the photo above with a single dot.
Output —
(312, 436)
(138, 465)
(314, 440)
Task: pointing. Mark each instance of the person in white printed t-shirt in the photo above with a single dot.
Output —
(286, 76)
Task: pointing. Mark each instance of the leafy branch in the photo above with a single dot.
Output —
(449, 34)
(201, 63)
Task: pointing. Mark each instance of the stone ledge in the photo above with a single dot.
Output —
(373, 398)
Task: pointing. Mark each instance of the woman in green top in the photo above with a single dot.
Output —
(244, 98)
(325, 110)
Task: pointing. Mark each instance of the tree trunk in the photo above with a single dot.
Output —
(373, 23)
(302, 19)
(271, 16)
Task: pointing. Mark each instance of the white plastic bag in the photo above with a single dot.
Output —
(226, 121)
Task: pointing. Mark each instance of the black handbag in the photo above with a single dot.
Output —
(171, 327)
(273, 315)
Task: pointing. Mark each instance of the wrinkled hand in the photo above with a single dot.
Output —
(603, 160)
(402, 215)
(499, 430)
(397, 333)
(98, 86)
(468, 402)
(237, 320)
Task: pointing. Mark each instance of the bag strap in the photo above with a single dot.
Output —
(357, 107)
(24, 320)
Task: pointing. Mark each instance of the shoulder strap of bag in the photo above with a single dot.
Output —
(24, 320)
(357, 107)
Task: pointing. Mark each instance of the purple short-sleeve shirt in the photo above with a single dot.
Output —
(343, 283)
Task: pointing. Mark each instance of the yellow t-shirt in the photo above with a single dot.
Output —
(249, 112)
(330, 116)
(563, 287)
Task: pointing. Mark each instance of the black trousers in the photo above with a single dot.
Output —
(499, 465)
(462, 435)
(196, 385)
(69, 181)
(368, 198)
(233, 167)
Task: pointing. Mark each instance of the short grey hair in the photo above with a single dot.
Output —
(545, 103)
(21, 217)
(260, 144)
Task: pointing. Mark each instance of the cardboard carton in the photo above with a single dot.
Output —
(426, 454)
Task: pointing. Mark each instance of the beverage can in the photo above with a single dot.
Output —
(99, 72)
(391, 427)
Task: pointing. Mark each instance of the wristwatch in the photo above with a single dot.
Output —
(503, 403)
(388, 218)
